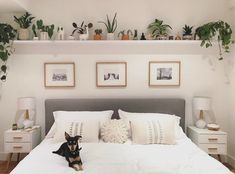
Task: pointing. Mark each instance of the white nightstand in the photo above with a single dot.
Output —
(212, 142)
(20, 141)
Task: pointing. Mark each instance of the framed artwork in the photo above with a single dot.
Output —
(111, 74)
(59, 74)
(164, 73)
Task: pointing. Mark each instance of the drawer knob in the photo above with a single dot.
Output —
(213, 139)
(212, 148)
(17, 138)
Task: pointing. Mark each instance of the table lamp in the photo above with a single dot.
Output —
(26, 104)
(201, 104)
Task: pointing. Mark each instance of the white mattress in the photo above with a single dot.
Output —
(105, 158)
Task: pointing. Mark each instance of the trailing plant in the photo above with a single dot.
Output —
(187, 30)
(220, 31)
(111, 26)
(158, 28)
(40, 27)
(98, 31)
(82, 28)
(7, 35)
(24, 21)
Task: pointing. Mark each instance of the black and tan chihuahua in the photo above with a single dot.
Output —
(71, 151)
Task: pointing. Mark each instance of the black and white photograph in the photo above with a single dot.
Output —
(59, 74)
(111, 74)
(164, 73)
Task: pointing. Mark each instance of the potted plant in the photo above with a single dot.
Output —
(82, 30)
(159, 30)
(125, 35)
(24, 22)
(7, 35)
(44, 31)
(187, 32)
(97, 35)
(111, 27)
(220, 32)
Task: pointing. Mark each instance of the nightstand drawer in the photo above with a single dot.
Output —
(17, 137)
(213, 139)
(214, 148)
(18, 147)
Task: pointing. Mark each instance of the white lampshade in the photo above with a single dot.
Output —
(202, 103)
(26, 103)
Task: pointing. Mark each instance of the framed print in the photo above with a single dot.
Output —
(111, 74)
(164, 73)
(59, 74)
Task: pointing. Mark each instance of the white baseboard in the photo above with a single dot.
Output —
(231, 160)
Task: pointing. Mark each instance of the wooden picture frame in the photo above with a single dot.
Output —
(164, 73)
(59, 74)
(111, 74)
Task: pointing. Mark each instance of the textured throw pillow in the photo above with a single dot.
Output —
(89, 130)
(114, 131)
(153, 131)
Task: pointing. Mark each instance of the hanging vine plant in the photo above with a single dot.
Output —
(219, 31)
(7, 35)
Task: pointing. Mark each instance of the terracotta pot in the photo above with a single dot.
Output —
(97, 37)
(110, 36)
(125, 37)
(23, 34)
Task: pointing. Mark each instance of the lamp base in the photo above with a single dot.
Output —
(201, 124)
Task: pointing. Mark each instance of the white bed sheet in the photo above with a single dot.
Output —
(106, 158)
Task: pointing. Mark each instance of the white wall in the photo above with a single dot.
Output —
(25, 77)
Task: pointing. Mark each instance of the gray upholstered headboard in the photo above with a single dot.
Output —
(161, 105)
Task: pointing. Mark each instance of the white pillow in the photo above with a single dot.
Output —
(129, 116)
(157, 131)
(114, 131)
(89, 130)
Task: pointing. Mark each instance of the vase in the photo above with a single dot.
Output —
(110, 36)
(44, 36)
(23, 34)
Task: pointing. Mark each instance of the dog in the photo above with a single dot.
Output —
(71, 151)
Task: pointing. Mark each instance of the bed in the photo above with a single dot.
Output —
(127, 158)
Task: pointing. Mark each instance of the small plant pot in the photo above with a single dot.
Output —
(35, 38)
(161, 37)
(83, 37)
(125, 37)
(44, 36)
(188, 37)
(97, 37)
(110, 36)
(23, 34)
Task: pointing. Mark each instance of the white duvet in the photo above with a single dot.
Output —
(106, 158)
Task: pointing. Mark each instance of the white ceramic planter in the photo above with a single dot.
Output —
(44, 36)
(110, 36)
(83, 36)
(23, 34)
(35, 38)
(71, 38)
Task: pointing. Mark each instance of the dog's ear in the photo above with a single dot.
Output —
(66, 135)
(78, 137)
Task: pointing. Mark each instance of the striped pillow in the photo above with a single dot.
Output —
(159, 131)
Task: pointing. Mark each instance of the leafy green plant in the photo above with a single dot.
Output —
(187, 30)
(7, 35)
(24, 21)
(124, 32)
(220, 31)
(111, 26)
(82, 28)
(43, 28)
(158, 28)
(98, 31)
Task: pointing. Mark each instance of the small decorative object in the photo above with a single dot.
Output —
(187, 32)
(24, 22)
(164, 73)
(60, 74)
(27, 105)
(171, 37)
(178, 37)
(111, 74)
(14, 126)
(7, 35)
(159, 30)
(135, 35)
(71, 37)
(220, 31)
(213, 127)
(82, 30)
(125, 35)
(201, 104)
(111, 27)
(142, 37)
(45, 31)
(60, 33)
(97, 35)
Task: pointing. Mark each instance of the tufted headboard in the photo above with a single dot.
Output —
(154, 105)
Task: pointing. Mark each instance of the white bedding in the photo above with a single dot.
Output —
(106, 158)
